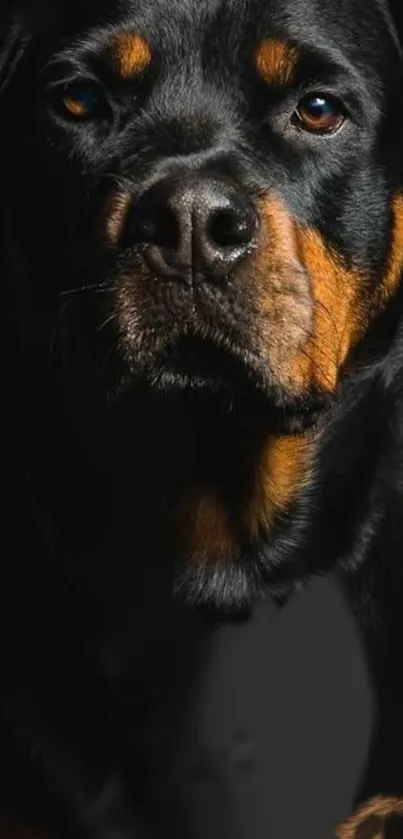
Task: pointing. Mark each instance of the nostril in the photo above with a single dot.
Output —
(161, 228)
(228, 229)
(192, 228)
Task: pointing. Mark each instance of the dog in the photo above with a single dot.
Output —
(202, 261)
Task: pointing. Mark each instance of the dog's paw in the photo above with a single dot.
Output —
(379, 818)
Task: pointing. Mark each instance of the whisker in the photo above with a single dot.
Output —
(80, 289)
(108, 320)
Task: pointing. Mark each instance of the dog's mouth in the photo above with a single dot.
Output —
(198, 364)
(233, 380)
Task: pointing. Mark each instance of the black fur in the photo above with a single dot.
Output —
(100, 428)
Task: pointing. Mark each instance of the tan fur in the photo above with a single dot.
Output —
(279, 473)
(116, 213)
(313, 306)
(276, 61)
(339, 316)
(203, 526)
(210, 528)
(381, 807)
(395, 264)
(132, 54)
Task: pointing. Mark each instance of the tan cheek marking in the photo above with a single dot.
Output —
(278, 243)
(116, 214)
(132, 53)
(339, 313)
(280, 291)
(395, 267)
(343, 305)
(276, 61)
(281, 471)
(202, 526)
(312, 303)
(377, 807)
(313, 328)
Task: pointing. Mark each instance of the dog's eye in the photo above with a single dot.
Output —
(319, 114)
(84, 100)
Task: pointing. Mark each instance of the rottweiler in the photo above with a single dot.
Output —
(202, 262)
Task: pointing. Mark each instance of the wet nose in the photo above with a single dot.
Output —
(197, 228)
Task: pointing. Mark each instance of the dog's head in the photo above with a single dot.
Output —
(213, 190)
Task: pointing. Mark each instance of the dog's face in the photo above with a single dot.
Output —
(217, 185)
(227, 170)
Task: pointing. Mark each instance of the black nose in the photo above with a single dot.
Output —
(197, 228)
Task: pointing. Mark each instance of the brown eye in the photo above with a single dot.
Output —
(320, 114)
(84, 101)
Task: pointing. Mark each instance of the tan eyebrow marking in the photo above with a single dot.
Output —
(132, 53)
(276, 61)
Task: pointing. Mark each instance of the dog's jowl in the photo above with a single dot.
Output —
(202, 265)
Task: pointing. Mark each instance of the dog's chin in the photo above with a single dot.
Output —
(230, 383)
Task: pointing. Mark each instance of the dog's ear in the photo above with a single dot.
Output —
(14, 40)
(396, 11)
(20, 21)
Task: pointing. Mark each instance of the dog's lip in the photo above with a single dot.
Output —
(203, 346)
(214, 369)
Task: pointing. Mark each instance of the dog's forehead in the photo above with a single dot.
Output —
(307, 19)
(350, 28)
